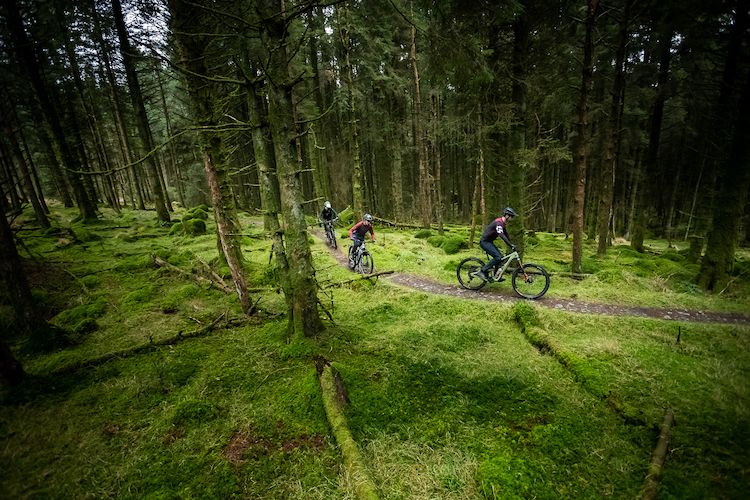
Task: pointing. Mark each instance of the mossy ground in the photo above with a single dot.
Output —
(450, 398)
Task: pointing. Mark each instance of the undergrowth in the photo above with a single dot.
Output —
(449, 398)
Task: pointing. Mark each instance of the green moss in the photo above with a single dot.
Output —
(195, 213)
(436, 240)
(423, 234)
(81, 319)
(90, 281)
(193, 412)
(453, 244)
(143, 294)
(510, 476)
(195, 227)
(525, 315)
(178, 228)
(83, 234)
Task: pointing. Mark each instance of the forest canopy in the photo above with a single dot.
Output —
(599, 119)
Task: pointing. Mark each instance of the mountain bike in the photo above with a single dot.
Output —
(530, 281)
(330, 233)
(361, 260)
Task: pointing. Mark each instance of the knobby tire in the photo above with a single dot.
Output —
(534, 285)
(366, 264)
(466, 273)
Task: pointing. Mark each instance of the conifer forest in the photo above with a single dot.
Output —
(605, 124)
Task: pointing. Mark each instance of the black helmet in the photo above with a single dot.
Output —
(510, 211)
(368, 217)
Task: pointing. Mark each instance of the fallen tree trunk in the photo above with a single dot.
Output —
(398, 225)
(334, 396)
(195, 277)
(658, 457)
(359, 278)
(180, 336)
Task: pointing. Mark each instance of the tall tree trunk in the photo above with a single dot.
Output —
(581, 150)
(14, 291)
(192, 41)
(270, 195)
(518, 174)
(136, 199)
(612, 145)
(650, 163)
(172, 152)
(353, 134)
(302, 298)
(26, 58)
(435, 141)
(475, 204)
(397, 184)
(734, 176)
(420, 142)
(144, 130)
(319, 142)
(41, 215)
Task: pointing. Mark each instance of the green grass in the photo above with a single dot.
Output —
(450, 398)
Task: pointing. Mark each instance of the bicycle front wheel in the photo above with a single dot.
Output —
(531, 281)
(366, 264)
(466, 273)
(331, 235)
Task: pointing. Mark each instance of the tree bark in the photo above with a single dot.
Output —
(612, 144)
(435, 141)
(144, 129)
(652, 154)
(581, 150)
(14, 291)
(302, 300)
(26, 58)
(420, 143)
(734, 182)
(192, 42)
(358, 187)
(41, 215)
(518, 173)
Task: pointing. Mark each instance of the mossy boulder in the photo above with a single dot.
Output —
(195, 227)
(436, 240)
(195, 213)
(178, 228)
(453, 244)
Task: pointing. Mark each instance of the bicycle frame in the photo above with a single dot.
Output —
(500, 270)
(360, 253)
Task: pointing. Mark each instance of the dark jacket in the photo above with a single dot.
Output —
(328, 214)
(494, 229)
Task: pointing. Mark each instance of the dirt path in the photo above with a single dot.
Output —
(504, 293)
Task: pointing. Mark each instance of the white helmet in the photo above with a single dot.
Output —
(327, 204)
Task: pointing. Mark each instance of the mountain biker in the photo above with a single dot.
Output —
(357, 235)
(491, 232)
(328, 214)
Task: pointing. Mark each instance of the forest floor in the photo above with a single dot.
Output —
(504, 293)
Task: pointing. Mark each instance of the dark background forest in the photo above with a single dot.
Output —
(619, 119)
(171, 326)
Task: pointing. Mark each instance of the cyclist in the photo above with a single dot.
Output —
(357, 235)
(328, 214)
(491, 232)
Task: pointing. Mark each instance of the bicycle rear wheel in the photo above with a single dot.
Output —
(466, 273)
(366, 264)
(331, 236)
(531, 281)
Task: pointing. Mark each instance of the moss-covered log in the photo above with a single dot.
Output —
(658, 457)
(352, 458)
